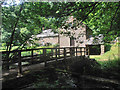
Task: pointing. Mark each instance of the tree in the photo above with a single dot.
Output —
(22, 21)
(101, 17)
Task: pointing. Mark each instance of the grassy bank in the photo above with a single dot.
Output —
(109, 55)
(109, 59)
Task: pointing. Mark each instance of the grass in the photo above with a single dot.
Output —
(15, 47)
(109, 59)
(114, 64)
(26, 53)
(109, 55)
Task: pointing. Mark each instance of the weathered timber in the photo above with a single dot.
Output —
(19, 63)
(33, 57)
(44, 54)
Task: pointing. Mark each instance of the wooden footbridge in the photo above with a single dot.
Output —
(34, 56)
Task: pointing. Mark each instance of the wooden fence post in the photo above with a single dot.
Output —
(7, 60)
(52, 53)
(80, 51)
(70, 51)
(88, 51)
(19, 64)
(84, 51)
(32, 56)
(65, 61)
(56, 54)
(44, 54)
(64, 53)
(73, 51)
(59, 52)
(76, 53)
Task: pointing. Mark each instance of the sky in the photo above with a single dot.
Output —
(11, 2)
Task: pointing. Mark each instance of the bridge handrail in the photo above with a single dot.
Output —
(36, 49)
(73, 51)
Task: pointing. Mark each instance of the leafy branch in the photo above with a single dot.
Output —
(9, 46)
(113, 18)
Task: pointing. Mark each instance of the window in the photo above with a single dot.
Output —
(72, 42)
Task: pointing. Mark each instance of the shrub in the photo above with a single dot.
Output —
(85, 66)
(107, 47)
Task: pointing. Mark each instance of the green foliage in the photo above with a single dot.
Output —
(30, 22)
(110, 59)
(84, 66)
(109, 55)
(107, 47)
(101, 17)
(110, 64)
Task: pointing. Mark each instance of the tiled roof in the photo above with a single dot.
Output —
(47, 33)
(95, 40)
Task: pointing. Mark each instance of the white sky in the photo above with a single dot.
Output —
(10, 2)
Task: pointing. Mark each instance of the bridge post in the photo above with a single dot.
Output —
(52, 53)
(56, 54)
(32, 56)
(80, 51)
(64, 53)
(65, 58)
(87, 50)
(59, 52)
(19, 64)
(76, 51)
(44, 54)
(6, 67)
(84, 51)
(71, 52)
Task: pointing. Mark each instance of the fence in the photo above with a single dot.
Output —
(39, 55)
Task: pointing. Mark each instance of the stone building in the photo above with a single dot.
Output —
(47, 37)
(81, 36)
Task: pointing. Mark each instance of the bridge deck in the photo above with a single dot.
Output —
(14, 60)
(30, 68)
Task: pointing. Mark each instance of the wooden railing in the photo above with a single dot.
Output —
(39, 55)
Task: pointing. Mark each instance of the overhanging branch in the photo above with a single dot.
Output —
(14, 28)
(113, 19)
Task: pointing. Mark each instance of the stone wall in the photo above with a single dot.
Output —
(52, 40)
(102, 49)
(80, 35)
(64, 41)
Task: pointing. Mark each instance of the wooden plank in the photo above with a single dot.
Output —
(44, 54)
(80, 51)
(88, 51)
(84, 51)
(59, 52)
(52, 52)
(19, 64)
(76, 51)
(4, 52)
(59, 49)
(32, 56)
(65, 53)
(64, 56)
(56, 54)
(6, 66)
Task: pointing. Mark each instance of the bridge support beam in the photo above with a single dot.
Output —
(44, 54)
(19, 64)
